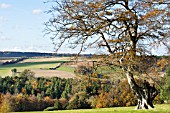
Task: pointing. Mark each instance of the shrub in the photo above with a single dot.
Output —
(20, 102)
(84, 70)
(5, 104)
(165, 91)
(123, 95)
(79, 101)
(64, 102)
(57, 105)
(104, 100)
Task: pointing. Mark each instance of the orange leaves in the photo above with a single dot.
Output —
(72, 28)
(92, 5)
(162, 63)
(76, 2)
(102, 14)
(115, 41)
(48, 84)
(104, 100)
(35, 84)
(153, 13)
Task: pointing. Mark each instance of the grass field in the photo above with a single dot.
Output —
(37, 64)
(40, 66)
(163, 108)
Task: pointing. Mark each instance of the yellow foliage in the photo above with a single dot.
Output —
(47, 84)
(47, 98)
(162, 63)
(5, 106)
(75, 2)
(35, 84)
(92, 5)
(23, 90)
(104, 100)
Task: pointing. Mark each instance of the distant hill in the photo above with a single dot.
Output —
(35, 54)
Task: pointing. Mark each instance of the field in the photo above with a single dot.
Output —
(163, 108)
(40, 66)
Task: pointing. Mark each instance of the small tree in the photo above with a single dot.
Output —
(14, 71)
(27, 73)
(165, 91)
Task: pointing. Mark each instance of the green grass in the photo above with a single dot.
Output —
(163, 108)
(107, 69)
(66, 68)
(5, 69)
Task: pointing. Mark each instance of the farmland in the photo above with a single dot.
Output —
(40, 66)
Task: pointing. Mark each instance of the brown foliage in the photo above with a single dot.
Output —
(123, 95)
(25, 103)
(104, 100)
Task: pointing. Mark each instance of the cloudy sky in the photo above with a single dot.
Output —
(21, 26)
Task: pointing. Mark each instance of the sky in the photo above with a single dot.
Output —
(22, 25)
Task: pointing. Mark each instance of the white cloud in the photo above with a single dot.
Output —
(2, 38)
(27, 49)
(37, 11)
(4, 5)
(2, 18)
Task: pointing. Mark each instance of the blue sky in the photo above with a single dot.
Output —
(21, 26)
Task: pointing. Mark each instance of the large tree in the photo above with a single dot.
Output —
(126, 28)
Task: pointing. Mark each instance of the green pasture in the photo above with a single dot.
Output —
(6, 69)
(66, 68)
(163, 108)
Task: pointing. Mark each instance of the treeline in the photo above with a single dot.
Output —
(37, 54)
(21, 92)
(28, 93)
(27, 84)
(14, 61)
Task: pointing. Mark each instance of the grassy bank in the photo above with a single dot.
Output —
(163, 108)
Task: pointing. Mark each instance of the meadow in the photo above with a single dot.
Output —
(41, 66)
(161, 108)
(38, 65)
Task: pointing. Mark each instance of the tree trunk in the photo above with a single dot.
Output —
(145, 94)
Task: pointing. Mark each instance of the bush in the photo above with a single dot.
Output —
(84, 70)
(79, 101)
(20, 102)
(165, 91)
(4, 104)
(64, 102)
(104, 100)
(58, 105)
(123, 95)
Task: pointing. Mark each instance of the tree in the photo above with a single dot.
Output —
(14, 71)
(27, 73)
(165, 92)
(126, 28)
